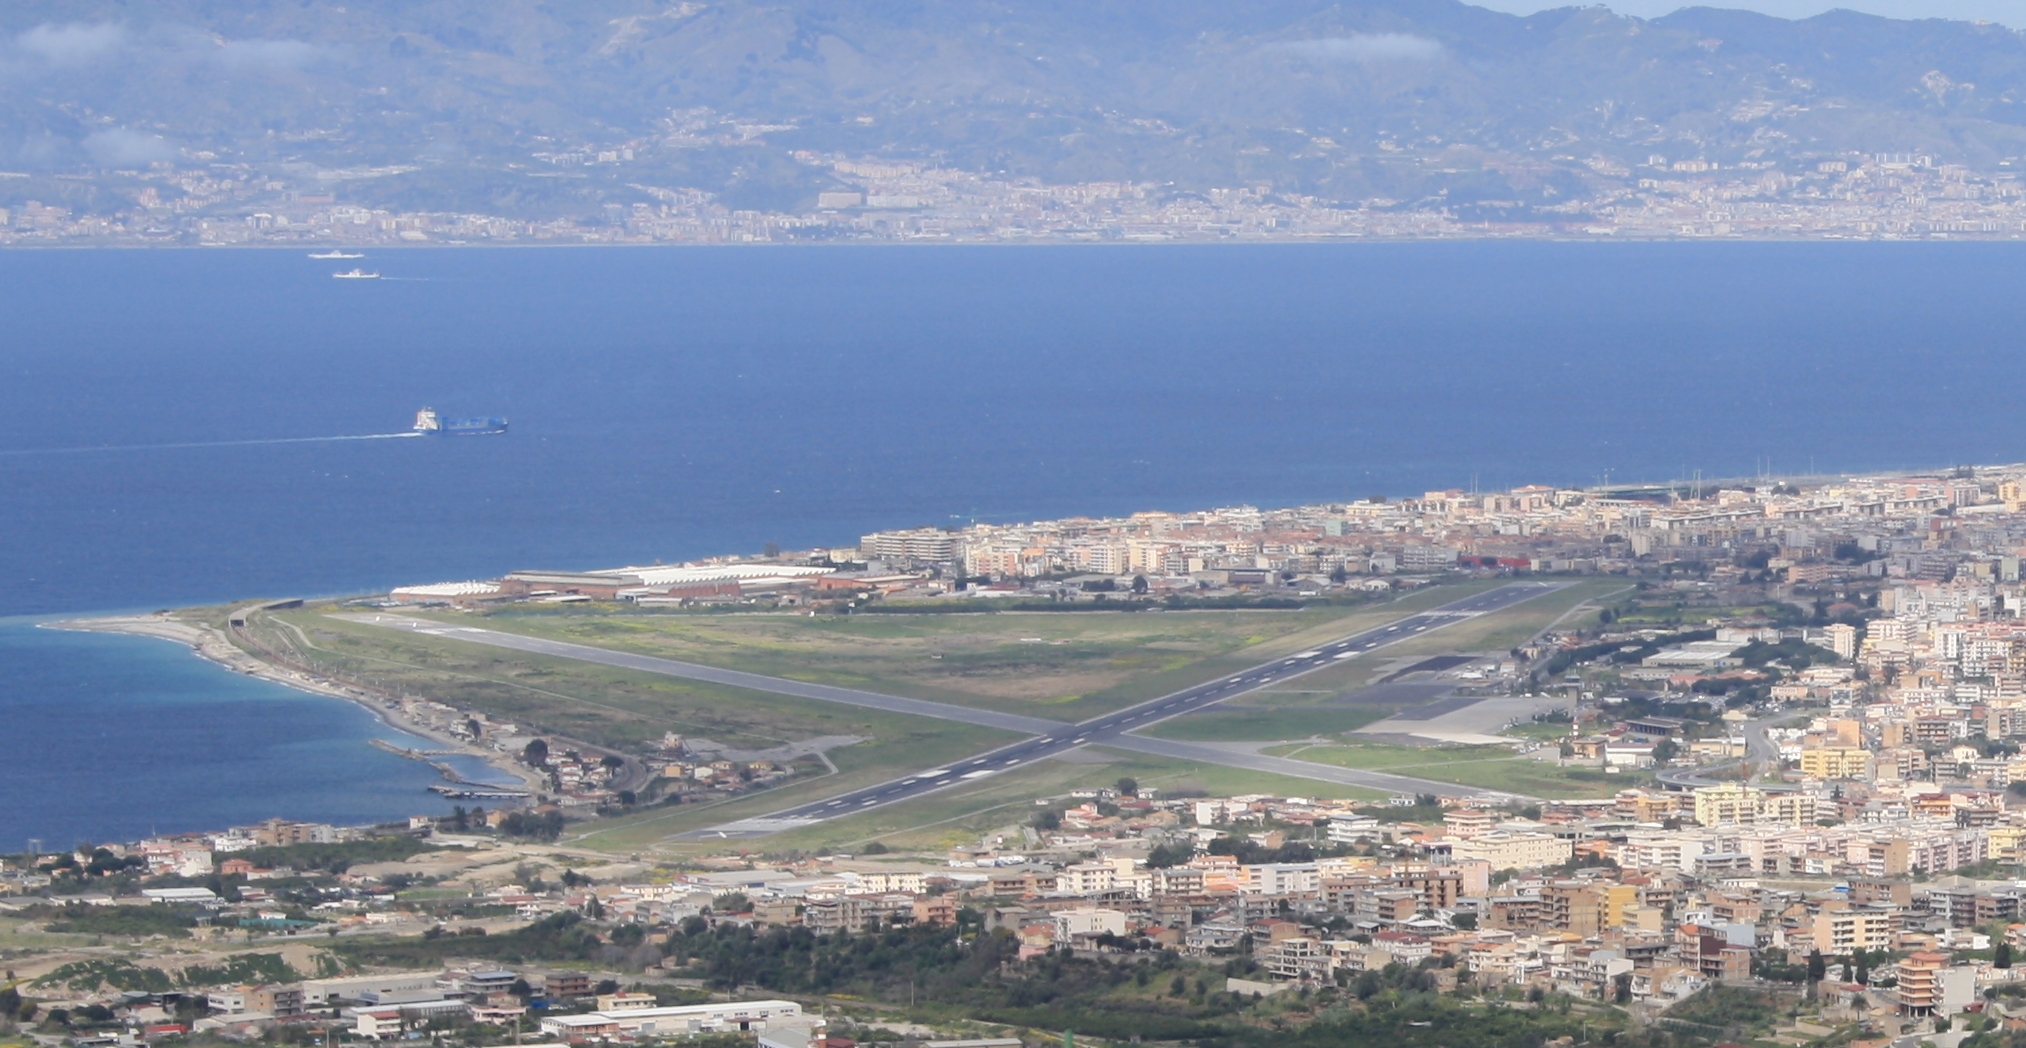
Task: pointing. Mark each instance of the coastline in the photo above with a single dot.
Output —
(213, 646)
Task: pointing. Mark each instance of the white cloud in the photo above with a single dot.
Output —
(266, 54)
(2006, 12)
(1365, 47)
(119, 147)
(73, 44)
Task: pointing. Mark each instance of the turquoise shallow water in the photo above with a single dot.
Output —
(668, 404)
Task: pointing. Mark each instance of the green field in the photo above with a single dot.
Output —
(1065, 666)
(961, 814)
(622, 708)
(1487, 767)
(1059, 665)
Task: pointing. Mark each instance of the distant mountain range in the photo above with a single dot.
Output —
(530, 108)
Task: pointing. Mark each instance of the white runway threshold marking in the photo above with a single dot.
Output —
(764, 825)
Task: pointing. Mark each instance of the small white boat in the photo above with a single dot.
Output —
(334, 253)
(355, 274)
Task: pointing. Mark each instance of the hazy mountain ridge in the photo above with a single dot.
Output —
(1349, 101)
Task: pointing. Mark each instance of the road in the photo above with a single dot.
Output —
(1759, 751)
(1111, 729)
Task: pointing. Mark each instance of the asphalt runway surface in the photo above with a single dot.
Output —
(1437, 708)
(1110, 729)
(714, 675)
(1394, 696)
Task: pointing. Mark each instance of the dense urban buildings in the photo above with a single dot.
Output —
(1803, 708)
(1867, 196)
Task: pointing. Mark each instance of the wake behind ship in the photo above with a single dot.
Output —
(430, 424)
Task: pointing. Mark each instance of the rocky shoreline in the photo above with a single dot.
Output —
(214, 646)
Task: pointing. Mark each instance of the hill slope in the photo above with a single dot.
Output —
(523, 107)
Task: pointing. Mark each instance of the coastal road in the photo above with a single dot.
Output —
(1047, 738)
(1112, 729)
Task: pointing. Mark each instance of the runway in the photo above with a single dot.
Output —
(1046, 738)
(1112, 729)
(714, 675)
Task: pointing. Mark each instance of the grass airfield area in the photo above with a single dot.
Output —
(1066, 666)
(1059, 665)
(1487, 767)
(952, 817)
(611, 706)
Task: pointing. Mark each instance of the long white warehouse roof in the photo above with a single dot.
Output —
(668, 575)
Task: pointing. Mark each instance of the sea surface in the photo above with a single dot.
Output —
(116, 738)
(672, 403)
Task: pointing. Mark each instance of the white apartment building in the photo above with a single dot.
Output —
(1515, 850)
(1087, 920)
(673, 1022)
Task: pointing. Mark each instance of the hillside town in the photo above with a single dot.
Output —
(1644, 899)
(1811, 694)
(1853, 196)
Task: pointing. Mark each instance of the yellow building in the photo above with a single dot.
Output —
(1787, 809)
(1836, 762)
(1618, 898)
(2008, 843)
(1732, 803)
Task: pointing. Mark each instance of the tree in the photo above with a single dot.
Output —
(536, 753)
(1621, 990)
(1817, 968)
(1129, 787)
(1665, 750)
(2002, 956)
(1464, 922)
(1140, 584)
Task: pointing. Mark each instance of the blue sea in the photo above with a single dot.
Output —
(671, 403)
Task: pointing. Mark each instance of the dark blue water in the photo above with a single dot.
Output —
(114, 738)
(672, 403)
